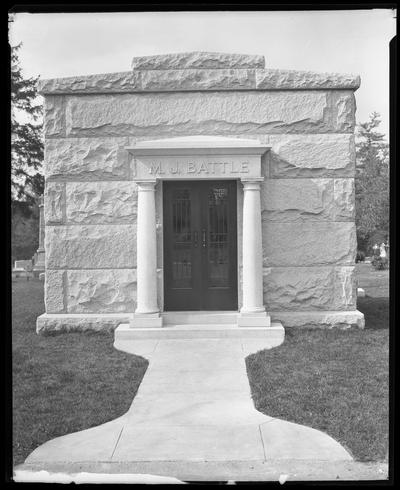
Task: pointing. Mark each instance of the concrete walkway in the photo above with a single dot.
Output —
(193, 405)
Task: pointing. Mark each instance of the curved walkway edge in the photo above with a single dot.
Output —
(193, 406)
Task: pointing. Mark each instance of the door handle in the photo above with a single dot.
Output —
(196, 238)
(203, 238)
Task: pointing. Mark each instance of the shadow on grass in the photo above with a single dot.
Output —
(376, 312)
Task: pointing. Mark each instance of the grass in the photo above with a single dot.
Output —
(66, 382)
(336, 380)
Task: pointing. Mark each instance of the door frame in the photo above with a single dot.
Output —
(238, 198)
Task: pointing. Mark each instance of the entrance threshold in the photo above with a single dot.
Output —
(205, 325)
(262, 335)
(199, 317)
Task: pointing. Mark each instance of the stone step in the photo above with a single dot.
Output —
(203, 326)
(199, 317)
(199, 331)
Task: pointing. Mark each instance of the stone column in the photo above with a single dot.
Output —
(147, 312)
(39, 265)
(253, 311)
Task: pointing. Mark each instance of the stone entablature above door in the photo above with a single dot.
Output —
(197, 157)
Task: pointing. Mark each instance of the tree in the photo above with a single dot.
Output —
(27, 182)
(371, 184)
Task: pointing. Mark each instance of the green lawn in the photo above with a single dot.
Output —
(336, 381)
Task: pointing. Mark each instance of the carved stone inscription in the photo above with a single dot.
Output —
(158, 168)
(200, 167)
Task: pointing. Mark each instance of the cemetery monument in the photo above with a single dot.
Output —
(199, 182)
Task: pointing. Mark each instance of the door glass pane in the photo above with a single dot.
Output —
(182, 239)
(218, 263)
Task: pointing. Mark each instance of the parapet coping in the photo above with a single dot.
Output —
(178, 80)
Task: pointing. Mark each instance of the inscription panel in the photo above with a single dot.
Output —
(199, 167)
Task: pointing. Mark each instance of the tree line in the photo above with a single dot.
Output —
(371, 185)
(27, 181)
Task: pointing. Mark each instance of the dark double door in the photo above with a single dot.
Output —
(200, 245)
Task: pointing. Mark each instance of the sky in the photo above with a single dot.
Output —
(348, 41)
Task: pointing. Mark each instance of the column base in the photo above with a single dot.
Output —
(140, 320)
(253, 319)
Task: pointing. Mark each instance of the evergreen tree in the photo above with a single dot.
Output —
(27, 182)
(372, 184)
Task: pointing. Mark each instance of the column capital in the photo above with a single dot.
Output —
(146, 185)
(252, 184)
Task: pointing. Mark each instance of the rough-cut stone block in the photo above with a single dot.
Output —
(101, 291)
(308, 244)
(345, 290)
(101, 202)
(317, 319)
(270, 79)
(298, 288)
(297, 199)
(90, 247)
(54, 116)
(54, 199)
(197, 60)
(199, 71)
(345, 109)
(344, 199)
(312, 155)
(54, 291)
(108, 82)
(86, 158)
(170, 80)
(80, 322)
(185, 113)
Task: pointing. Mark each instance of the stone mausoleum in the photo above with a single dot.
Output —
(197, 185)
